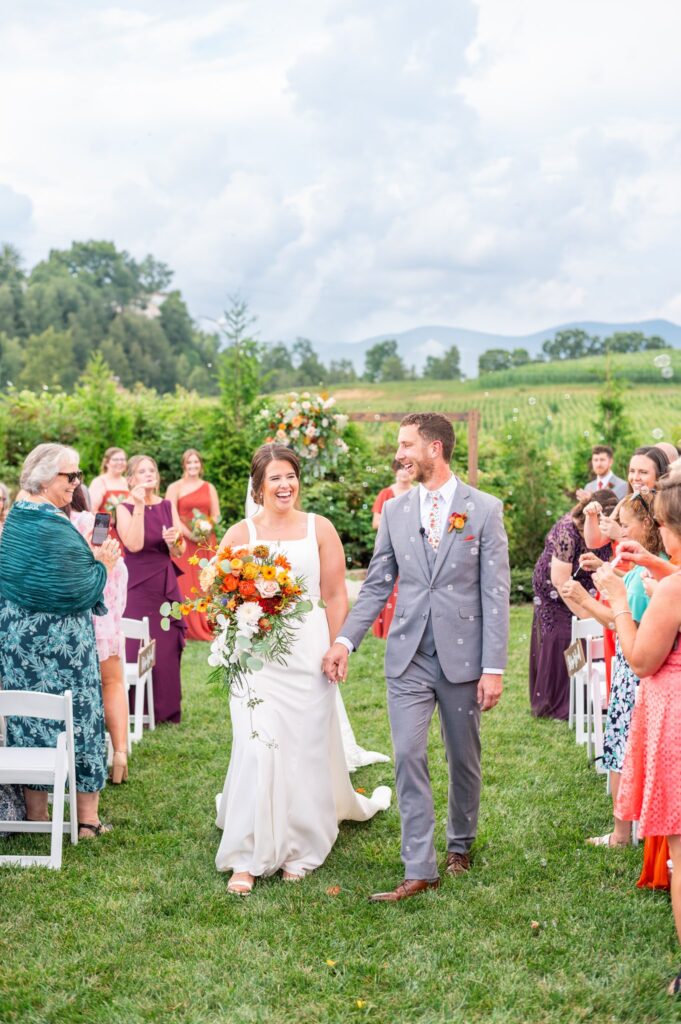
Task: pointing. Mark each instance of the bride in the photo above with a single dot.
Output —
(287, 789)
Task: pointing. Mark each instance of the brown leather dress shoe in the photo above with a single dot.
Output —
(410, 887)
(457, 863)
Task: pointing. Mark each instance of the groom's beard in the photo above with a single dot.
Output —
(422, 470)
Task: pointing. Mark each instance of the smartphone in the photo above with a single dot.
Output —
(101, 530)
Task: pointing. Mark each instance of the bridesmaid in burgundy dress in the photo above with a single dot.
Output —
(187, 494)
(150, 530)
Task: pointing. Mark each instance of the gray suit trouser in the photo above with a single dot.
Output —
(412, 699)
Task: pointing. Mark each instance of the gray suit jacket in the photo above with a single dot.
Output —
(616, 484)
(466, 596)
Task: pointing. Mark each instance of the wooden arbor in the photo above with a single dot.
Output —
(471, 418)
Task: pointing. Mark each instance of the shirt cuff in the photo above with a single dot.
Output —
(346, 643)
(491, 671)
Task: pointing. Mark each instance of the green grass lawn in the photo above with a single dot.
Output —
(138, 926)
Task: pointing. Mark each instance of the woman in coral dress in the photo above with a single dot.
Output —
(403, 483)
(110, 488)
(189, 495)
(650, 786)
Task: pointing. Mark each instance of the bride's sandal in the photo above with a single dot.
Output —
(288, 876)
(241, 886)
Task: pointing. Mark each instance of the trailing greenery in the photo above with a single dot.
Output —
(138, 928)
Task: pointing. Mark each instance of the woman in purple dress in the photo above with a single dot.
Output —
(150, 530)
(552, 623)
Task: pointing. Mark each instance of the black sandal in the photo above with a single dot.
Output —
(97, 830)
(674, 988)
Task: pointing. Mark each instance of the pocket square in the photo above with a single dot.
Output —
(471, 536)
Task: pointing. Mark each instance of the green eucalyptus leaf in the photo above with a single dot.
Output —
(243, 642)
(321, 603)
(303, 607)
(165, 624)
(255, 664)
(165, 608)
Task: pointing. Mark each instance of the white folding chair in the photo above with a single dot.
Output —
(587, 630)
(138, 629)
(41, 766)
(596, 699)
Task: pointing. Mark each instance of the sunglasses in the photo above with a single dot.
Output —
(73, 477)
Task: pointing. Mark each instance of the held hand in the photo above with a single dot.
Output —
(171, 535)
(137, 494)
(489, 691)
(335, 663)
(581, 494)
(590, 561)
(108, 553)
(649, 582)
(594, 508)
(632, 551)
(573, 591)
(610, 528)
(610, 585)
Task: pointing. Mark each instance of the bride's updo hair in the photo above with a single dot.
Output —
(265, 454)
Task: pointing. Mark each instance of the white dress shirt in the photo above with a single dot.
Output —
(446, 492)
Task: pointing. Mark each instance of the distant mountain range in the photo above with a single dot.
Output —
(419, 342)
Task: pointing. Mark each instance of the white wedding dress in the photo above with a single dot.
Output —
(288, 787)
(355, 756)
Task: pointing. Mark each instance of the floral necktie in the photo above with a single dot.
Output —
(434, 521)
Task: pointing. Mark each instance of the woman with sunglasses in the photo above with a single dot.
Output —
(650, 785)
(51, 583)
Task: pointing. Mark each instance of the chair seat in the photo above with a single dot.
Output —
(27, 765)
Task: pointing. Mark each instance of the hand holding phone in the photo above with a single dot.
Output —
(101, 528)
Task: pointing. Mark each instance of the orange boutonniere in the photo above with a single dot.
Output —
(456, 521)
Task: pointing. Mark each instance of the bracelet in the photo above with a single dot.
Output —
(625, 611)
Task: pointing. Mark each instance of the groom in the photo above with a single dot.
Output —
(447, 644)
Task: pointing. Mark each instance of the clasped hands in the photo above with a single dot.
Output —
(335, 668)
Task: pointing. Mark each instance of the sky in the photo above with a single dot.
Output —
(356, 167)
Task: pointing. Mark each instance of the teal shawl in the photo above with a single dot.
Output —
(45, 564)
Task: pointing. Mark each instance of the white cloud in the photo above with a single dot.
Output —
(353, 168)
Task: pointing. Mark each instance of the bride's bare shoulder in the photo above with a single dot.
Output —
(236, 534)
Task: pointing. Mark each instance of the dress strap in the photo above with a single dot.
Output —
(311, 531)
(252, 534)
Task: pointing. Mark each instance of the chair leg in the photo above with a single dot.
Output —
(150, 702)
(57, 838)
(139, 710)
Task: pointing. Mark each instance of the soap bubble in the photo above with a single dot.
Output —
(536, 600)
(531, 401)
(667, 372)
(657, 433)
(553, 595)
(662, 360)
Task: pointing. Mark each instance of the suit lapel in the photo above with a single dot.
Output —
(458, 503)
(413, 529)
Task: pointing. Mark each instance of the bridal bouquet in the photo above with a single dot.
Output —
(305, 423)
(202, 526)
(253, 603)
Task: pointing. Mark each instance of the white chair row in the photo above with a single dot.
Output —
(55, 766)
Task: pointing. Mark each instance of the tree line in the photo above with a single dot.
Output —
(572, 343)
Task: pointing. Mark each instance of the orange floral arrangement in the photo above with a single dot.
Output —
(456, 521)
(253, 604)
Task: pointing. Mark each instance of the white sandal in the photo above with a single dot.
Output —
(288, 876)
(240, 886)
(603, 840)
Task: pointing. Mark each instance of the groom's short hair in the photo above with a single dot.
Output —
(432, 426)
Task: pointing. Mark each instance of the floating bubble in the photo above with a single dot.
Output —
(471, 618)
(412, 540)
(450, 587)
(566, 395)
(553, 595)
(460, 641)
(341, 479)
(515, 419)
(549, 418)
(365, 505)
(407, 557)
(667, 372)
(509, 437)
(657, 433)
(515, 412)
(662, 360)
(531, 401)
(470, 506)
(402, 636)
(548, 462)
(536, 600)
(388, 577)
(486, 394)
(586, 433)
(474, 551)
(495, 611)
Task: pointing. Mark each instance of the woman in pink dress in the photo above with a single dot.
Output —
(402, 484)
(650, 786)
(189, 495)
(110, 646)
(110, 488)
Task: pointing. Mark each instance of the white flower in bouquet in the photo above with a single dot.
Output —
(295, 433)
(247, 616)
(306, 406)
(207, 576)
(310, 430)
(267, 588)
(325, 422)
(204, 526)
(314, 450)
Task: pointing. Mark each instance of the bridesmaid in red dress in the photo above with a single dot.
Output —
(402, 484)
(650, 786)
(110, 488)
(191, 493)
